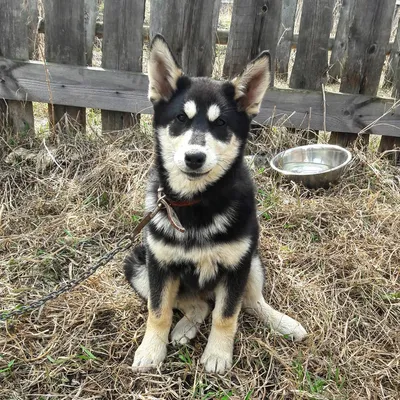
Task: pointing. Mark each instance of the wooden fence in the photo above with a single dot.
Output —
(65, 81)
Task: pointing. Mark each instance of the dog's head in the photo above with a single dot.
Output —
(201, 125)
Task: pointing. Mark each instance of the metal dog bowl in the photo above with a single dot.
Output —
(315, 165)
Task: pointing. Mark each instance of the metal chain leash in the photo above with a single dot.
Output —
(123, 244)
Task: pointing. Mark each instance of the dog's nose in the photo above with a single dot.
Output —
(195, 160)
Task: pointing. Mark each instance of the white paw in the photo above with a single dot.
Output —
(216, 361)
(289, 327)
(149, 355)
(184, 331)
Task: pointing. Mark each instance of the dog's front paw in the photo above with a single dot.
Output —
(216, 361)
(149, 355)
(184, 331)
(289, 327)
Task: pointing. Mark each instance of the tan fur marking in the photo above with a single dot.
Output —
(153, 348)
(217, 356)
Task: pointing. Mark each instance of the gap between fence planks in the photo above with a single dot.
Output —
(127, 91)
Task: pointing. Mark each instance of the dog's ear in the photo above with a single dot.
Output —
(252, 83)
(163, 70)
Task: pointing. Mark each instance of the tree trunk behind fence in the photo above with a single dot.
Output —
(368, 39)
(15, 116)
(285, 38)
(339, 50)
(311, 63)
(122, 50)
(255, 27)
(65, 44)
(190, 29)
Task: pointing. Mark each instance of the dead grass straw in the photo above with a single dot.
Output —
(332, 260)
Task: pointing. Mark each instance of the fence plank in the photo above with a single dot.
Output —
(65, 43)
(311, 62)
(127, 91)
(15, 116)
(254, 28)
(190, 29)
(91, 10)
(167, 18)
(285, 38)
(339, 50)
(368, 38)
(122, 50)
(200, 31)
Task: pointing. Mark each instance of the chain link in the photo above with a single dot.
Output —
(124, 244)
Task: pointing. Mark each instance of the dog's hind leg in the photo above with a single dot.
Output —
(254, 303)
(195, 311)
(136, 272)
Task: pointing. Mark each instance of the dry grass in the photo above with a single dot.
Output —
(332, 260)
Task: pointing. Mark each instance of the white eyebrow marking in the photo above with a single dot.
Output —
(213, 112)
(190, 108)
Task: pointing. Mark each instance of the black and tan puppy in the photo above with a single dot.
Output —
(201, 127)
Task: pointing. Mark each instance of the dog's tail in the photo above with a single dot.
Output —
(136, 271)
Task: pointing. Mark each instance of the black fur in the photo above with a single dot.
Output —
(233, 191)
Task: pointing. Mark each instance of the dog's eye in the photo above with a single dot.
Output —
(219, 122)
(182, 117)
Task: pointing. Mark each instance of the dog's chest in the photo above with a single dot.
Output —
(197, 248)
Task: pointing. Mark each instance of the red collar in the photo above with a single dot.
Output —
(186, 203)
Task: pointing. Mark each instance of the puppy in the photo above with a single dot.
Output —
(202, 248)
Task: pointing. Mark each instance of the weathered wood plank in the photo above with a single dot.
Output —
(122, 50)
(311, 62)
(199, 32)
(339, 50)
(190, 29)
(167, 18)
(66, 44)
(286, 33)
(368, 37)
(255, 27)
(127, 91)
(16, 117)
(91, 10)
